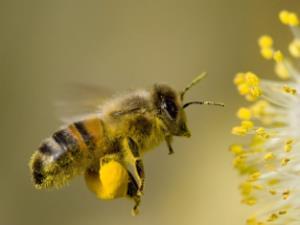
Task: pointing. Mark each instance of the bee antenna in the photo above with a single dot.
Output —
(203, 103)
(193, 83)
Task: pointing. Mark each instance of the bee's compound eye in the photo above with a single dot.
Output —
(171, 108)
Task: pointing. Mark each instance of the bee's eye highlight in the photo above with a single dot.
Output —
(171, 108)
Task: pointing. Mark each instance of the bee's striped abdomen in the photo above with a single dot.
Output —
(67, 153)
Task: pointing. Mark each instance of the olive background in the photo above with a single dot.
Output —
(127, 44)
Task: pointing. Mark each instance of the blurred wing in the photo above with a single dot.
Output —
(80, 100)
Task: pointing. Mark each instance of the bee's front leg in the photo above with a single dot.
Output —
(169, 139)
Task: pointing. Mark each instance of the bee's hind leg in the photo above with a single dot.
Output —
(169, 144)
(133, 193)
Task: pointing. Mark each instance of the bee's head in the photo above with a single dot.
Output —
(170, 107)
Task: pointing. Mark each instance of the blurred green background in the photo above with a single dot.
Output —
(121, 45)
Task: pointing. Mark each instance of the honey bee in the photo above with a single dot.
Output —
(107, 147)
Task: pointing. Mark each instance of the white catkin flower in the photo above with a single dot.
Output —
(270, 160)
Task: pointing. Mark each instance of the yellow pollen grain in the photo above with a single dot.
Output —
(244, 113)
(278, 56)
(265, 41)
(289, 90)
(294, 48)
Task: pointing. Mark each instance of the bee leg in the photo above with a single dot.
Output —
(136, 161)
(107, 158)
(132, 193)
(169, 141)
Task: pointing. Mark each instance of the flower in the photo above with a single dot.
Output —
(270, 161)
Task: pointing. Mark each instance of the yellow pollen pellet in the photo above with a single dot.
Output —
(278, 56)
(244, 113)
(282, 71)
(286, 194)
(267, 53)
(289, 90)
(285, 161)
(289, 18)
(294, 48)
(269, 156)
(265, 41)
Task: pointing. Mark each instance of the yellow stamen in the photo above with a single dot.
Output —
(236, 149)
(289, 18)
(267, 53)
(244, 113)
(265, 41)
(284, 17)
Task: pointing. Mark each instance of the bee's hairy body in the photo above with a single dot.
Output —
(107, 147)
(79, 146)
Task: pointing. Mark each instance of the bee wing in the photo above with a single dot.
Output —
(80, 100)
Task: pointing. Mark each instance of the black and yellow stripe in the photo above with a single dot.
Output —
(60, 157)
